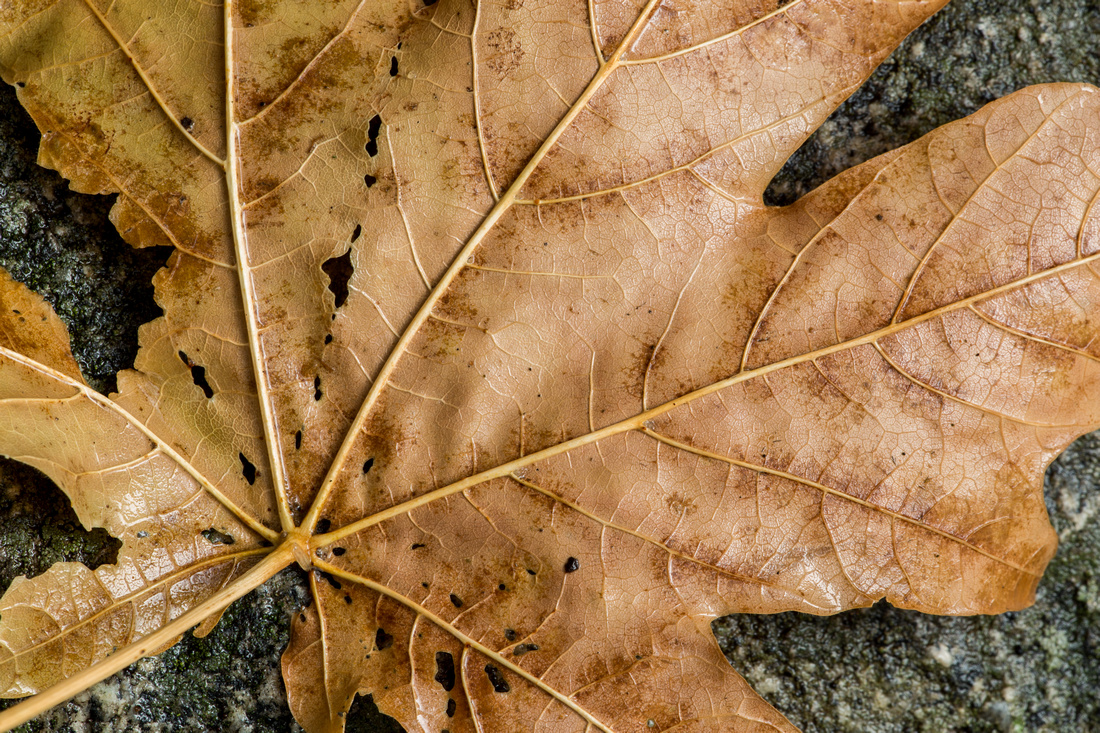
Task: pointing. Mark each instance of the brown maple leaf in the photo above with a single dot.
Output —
(476, 312)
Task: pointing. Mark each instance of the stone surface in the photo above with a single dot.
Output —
(874, 670)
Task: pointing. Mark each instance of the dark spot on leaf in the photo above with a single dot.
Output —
(502, 586)
(367, 464)
(198, 375)
(339, 271)
(373, 128)
(456, 601)
(496, 679)
(347, 599)
(323, 525)
(248, 469)
(445, 670)
(187, 123)
(329, 579)
(510, 634)
(302, 617)
(572, 565)
(522, 649)
(382, 640)
(215, 537)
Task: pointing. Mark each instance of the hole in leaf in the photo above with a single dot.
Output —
(328, 339)
(367, 465)
(445, 670)
(215, 537)
(198, 375)
(496, 679)
(382, 640)
(417, 545)
(298, 440)
(187, 123)
(373, 128)
(530, 571)
(369, 180)
(323, 525)
(248, 469)
(357, 232)
(329, 579)
(522, 649)
(317, 393)
(393, 66)
(338, 551)
(451, 707)
(339, 271)
(572, 565)
(456, 601)
(364, 717)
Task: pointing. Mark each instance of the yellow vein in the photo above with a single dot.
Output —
(495, 213)
(155, 439)
(466, 640)
(476, 86)
(151, 87)
(680, 168)
(956, 216)
(279, 558)
(639, 421)
(305, 70)
(717, 39)
(831, 492)
(248, 295)
(136, 595)
(107, 173)
(608, 524)
(593, 28)
(1032, 337)
(912, 379)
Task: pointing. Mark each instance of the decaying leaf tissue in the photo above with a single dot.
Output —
(476, 312)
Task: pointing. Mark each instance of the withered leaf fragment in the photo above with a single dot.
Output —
(476, 312)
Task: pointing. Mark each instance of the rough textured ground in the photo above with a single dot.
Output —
(874, 670)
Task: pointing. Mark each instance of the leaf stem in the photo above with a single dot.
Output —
(278, 559)
(248, 296)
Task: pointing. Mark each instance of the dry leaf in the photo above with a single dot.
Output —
(477, 312)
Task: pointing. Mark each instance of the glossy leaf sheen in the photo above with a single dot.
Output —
(476, 311)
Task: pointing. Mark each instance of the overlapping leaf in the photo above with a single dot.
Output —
(477, 311)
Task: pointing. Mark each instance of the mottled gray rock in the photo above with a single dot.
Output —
(874, 670)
